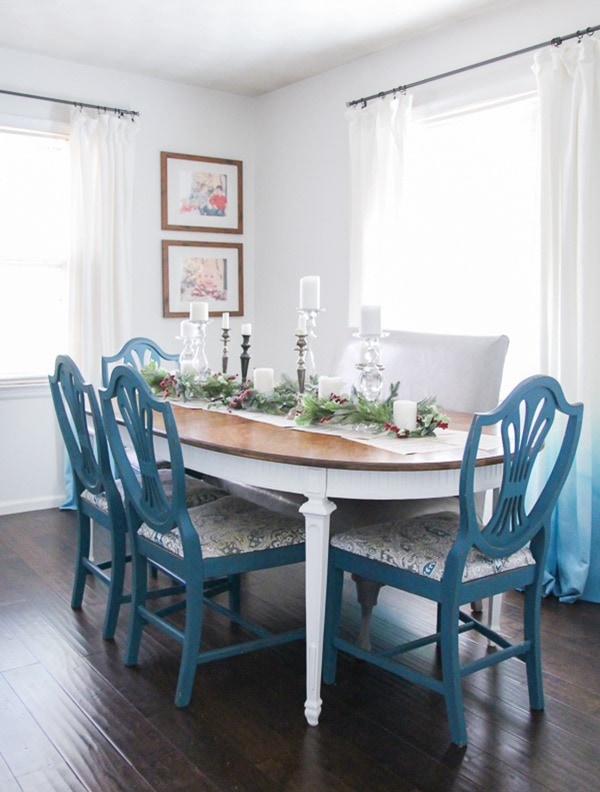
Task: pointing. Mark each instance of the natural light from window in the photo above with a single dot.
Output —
(468, 243)
(34, 240)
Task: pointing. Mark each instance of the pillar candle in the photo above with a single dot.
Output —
(225, 320)
(264, 380)
(247, 329)
(187, 329)
(310, 292)
(370, 320)
(405, 414)
(199, 311)
(329, 385)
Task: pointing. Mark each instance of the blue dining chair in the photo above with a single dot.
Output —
(137, 352)
(221, 539)
(455, 559)
(98, 497)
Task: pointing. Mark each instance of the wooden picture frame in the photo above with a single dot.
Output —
(211, 272)
(201, 193)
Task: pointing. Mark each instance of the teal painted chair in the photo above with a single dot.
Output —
(455, 559)
(222, 539)
(98, 497)
(138, 352)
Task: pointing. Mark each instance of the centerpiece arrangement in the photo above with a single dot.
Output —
(306, 409)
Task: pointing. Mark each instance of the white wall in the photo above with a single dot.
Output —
(174, 118)
(294, 148)
(302, 201)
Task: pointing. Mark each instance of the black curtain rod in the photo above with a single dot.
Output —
(555, 42)
(117, 110)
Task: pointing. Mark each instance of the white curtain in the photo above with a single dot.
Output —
(569, 88)
(102, 161)
(377, 135)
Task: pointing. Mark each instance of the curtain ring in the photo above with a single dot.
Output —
(556, 42)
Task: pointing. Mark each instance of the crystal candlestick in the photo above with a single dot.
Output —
(245, 357)
(310, 317)
(225, 355)
(200, 363)
(371, 379)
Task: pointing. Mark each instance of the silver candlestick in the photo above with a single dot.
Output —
(225, 354)
(311, 335)
(300, 348)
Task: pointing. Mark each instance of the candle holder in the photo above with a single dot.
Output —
(371, 380)
(300, 348)
(187, 354)
(225, 354)
(200, 362)
(245, 357)
(311, 335)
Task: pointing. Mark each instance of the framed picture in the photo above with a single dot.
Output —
(201, 194)
(209, 272)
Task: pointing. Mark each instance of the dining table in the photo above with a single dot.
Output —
(321, 465)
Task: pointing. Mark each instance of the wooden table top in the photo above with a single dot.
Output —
(228, 433)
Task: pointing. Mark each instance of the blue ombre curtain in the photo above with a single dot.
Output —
(568, 79)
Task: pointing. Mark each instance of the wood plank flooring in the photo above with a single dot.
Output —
(73, 717)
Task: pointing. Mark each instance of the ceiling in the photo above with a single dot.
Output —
(248, 47)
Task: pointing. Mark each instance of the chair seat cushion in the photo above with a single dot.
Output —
(197, 492)
(230, 526)
(421, 545)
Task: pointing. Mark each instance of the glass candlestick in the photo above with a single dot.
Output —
(200, 363)
(310, 317)
(371, 379)
(245, 357)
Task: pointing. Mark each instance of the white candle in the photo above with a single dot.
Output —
(264, 380)
(329, 385)
(301, 323)
(199, 311)
(310, 292)
(187, 329)
(225, 320)
(247, 329)
(405, 414)
(370, 320)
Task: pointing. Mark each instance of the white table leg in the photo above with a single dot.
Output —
(316, 512)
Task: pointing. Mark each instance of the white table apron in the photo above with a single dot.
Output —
(318, 485)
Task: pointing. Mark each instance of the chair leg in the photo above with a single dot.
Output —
(235, 592)
(367, 592)
(116, 585)
(191, 643)
(451, 673)
(333, 609)
(83, 551)
(139, 593)
(533, 660)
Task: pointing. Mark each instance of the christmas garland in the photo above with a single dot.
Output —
(307, 410)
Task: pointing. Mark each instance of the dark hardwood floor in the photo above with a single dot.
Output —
(73, 717)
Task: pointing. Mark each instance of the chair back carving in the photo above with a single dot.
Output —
(136, 352)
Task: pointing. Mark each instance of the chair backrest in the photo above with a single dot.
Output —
(461, 372)
(130, 409)
(520, 515)
(76, 404)
(136, 352)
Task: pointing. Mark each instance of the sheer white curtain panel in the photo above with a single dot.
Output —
(377, 135)
(102, 164)
(569, 88)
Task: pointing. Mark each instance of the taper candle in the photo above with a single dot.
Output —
(225, 320)
(246, 329)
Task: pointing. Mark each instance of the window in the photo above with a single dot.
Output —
(34, 242)
(468, 244)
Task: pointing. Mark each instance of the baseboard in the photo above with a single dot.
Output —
(33, 504)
